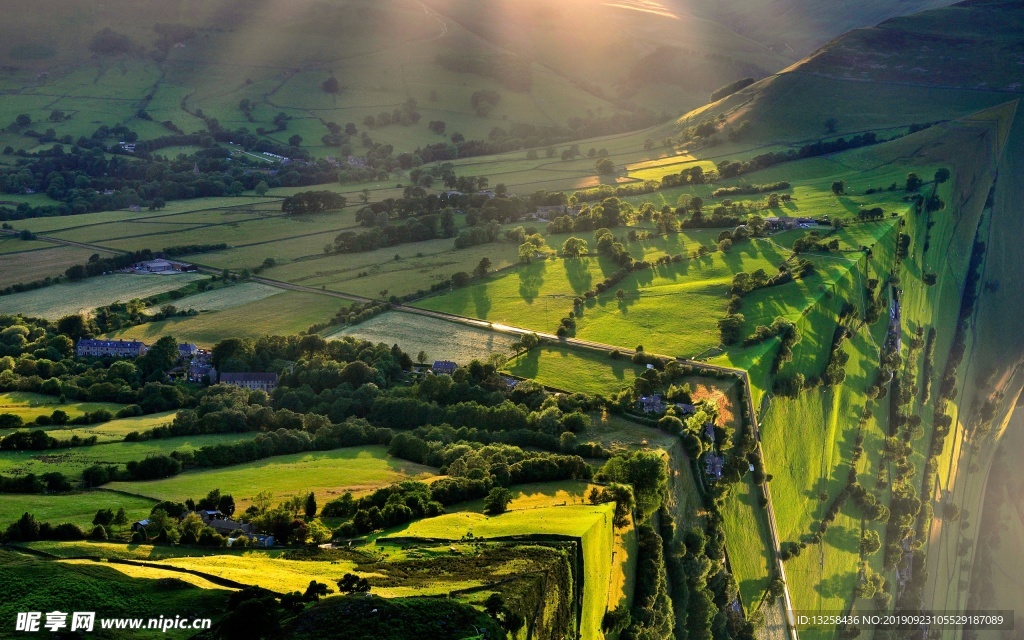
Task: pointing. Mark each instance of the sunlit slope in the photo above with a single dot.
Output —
(936, 65)
(187, 62)
(809, 440)
(798, 26)
(627, 48)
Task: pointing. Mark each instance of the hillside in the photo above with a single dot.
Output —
(957, 65)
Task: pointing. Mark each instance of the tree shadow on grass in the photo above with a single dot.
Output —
(526, 365)
(531, 278)
(834, 586)
(578, 273)
(482, 301)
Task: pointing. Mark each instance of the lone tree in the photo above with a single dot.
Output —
(497, 501)
(310, 505)
(330, 85)
(574, 247)
(526, 251)
(914, 182)
(351, 583)
(482, 267)
(839, 187)
(605, 167)
(942, 175)
(831, 125)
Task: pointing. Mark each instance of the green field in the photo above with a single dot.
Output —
(53, 303)
(113, 431)
(29, 406)
(575, 370)
(327, 474)
(440, 339)
(76, 508)
(284, 314)
(591, 524)
(98, 588)
(72, 461)
(227, 298)
(30, 266)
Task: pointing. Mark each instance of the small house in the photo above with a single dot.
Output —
(443, 366)
(685, 409)
(140, 525)
(651, 404)
(709, 432)
(110, 348)
(254, 381)
(713, 466)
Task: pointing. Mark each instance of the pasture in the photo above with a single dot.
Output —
(30, 266)
(439, 339)
(72, 461)
(68, 298)
(115, 430)
(285, 314)
(575, 370)
(77, 508)
(327, 474)
(59, 586)
(591, 524)
(29, 406)
(225, 298)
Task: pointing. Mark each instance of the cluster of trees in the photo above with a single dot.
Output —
(38, 356)
(527, 136)
(53, 482)
(730, 89)
(28, 529)
(406, 116)
(92, 174)
(39, 440)
(814, 242)
(750, 189)
(312, 202)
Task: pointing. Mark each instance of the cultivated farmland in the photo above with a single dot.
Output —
(327, 474)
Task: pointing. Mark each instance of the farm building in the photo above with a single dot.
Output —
(110, 348)
(685, 409)
(444, 366)
(713, 466)
(222, 524)
(651, 404)
(775, 223)
(188, 350)
(140, 525)
(159, 265)
(256, 381)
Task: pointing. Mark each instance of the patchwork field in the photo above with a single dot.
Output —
(53, 303)
(113, 431)
(591, 524)
(30, 266)
(76, 508)
(29, 406)
(72, 461)
(439, 339)
(284, 314)
(575, 370)
(327, 474)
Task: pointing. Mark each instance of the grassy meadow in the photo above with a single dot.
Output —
(591, 524)
(72, 461)
(68, 298)
(439, 339)
(29, 406)
(327, 474)
(286, 313)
